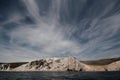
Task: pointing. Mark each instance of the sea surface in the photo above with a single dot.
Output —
(59, 75)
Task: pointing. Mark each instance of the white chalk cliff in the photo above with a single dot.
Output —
(59, 64)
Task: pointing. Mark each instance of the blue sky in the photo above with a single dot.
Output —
(35, 29)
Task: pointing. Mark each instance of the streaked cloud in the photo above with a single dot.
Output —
(60, 28)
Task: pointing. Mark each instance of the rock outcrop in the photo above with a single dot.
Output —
(59, 64)
(52, 64)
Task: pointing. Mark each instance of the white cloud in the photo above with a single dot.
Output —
(33, 10)
(51, 38)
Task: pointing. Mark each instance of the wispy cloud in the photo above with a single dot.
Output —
(95, 35)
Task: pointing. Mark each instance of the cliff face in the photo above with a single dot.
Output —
(52, 64)
(58, 64)
(10, 66)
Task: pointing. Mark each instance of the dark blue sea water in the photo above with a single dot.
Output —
(59, 75)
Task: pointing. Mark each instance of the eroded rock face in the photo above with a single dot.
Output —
(4, 66)
(115, 66)
(59, 64)
(75, 65)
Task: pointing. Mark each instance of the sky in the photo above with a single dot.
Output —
(35, 29)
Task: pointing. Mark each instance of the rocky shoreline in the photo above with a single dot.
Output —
(61, 64)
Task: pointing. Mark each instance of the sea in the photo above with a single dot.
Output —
(59, 75)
